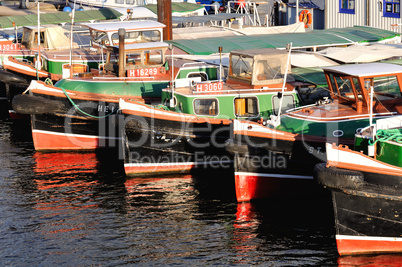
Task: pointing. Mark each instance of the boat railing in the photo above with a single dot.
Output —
(194, 64)
(122, 78)
(207, 88)
(248, 8)
(300, 108)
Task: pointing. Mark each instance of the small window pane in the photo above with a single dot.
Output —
(288, 103)
(386, 88)
(242, 66)
(246, 107)
(206, 107)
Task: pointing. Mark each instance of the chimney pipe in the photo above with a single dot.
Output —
(164, 8)
(122, 61)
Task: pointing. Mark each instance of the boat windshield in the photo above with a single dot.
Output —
(386, 88)
(138, 37)
(242, 66)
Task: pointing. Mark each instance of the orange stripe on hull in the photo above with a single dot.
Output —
(51, 141)
(367, 246)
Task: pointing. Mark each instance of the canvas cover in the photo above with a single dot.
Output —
(269, 65)
(58, 38)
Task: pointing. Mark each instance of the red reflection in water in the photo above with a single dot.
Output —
(389, 260)
(245, 229)
(63, 183)
(67, 163)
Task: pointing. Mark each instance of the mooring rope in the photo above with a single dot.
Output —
(83, 112)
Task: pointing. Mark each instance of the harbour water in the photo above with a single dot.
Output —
(78, 209)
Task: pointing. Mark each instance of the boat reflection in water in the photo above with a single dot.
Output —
(388, 260)
(172, 188)
(245, 230)
(66, 163)
(63, 178)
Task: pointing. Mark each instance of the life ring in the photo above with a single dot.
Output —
(305, 16)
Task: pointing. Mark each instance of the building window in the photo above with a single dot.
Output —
(347, 6)
(392, 8)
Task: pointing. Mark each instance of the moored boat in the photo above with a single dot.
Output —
(277, 157)
(77, 113)
(189, 131)
(366, 187)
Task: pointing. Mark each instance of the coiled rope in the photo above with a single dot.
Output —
(387, 135)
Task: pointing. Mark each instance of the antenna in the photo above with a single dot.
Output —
(71, 40)
(220, 63)
(171, 104)
(278, 117)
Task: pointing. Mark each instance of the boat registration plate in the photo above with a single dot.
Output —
(143, 72)
(209, 87)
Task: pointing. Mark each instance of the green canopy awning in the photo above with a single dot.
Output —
(313, 39)
(59, 17)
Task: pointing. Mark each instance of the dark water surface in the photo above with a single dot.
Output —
(74, 209)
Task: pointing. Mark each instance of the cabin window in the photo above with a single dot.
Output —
(386, 88)
(154, 57)
(42, 39)
(25, 39)
(288, 102)
(241, 66)
(99, 37)
(138, 37)
(347, 6)
(206, 107)
(391, 8)
(268, 70)
(202, 75)
(246, 107)
(342, 86)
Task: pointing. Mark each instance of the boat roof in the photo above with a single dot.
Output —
(312, 39)
(47, 26)
(59, 17)
(261, 51)
(368, 69)
(148, 45)
(131, 25)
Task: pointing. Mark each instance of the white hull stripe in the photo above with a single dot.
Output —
(371, 238)
(352, 157)
(275, 175)
(76, 135)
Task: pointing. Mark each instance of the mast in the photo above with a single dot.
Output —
(71, 40)
(38, 62)
(164, 11)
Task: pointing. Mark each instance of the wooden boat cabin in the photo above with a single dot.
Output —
(351, 85)
(138, 31)
(52, 37)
